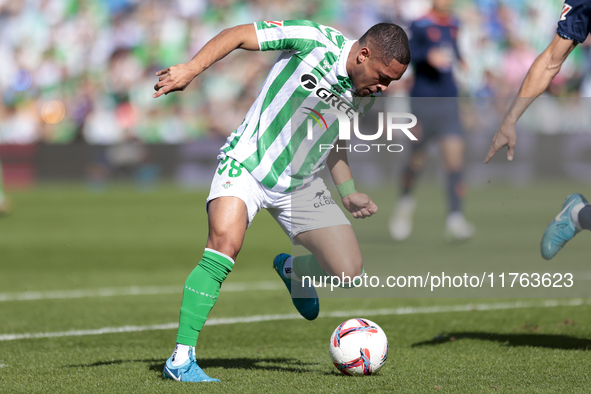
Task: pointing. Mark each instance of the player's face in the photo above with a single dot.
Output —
(372, 76)
(443, 6)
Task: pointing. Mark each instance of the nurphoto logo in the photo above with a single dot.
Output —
(393, 123)
(346, 114)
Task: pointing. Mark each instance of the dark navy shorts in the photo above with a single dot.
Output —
(438, 117)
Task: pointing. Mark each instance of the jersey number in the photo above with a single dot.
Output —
(235, 168)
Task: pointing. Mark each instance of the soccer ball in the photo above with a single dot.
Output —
(358, 347)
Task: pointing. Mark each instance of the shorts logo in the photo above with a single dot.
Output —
(308, 81)
(227, 185)
(322, 199)
(565, 10)
(318, 195)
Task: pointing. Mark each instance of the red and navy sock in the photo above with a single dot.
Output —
(408, 180)
(455, 191)
(585, 217)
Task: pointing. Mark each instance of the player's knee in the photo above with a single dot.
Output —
(351, 270)
(225, 246)
(353, 281)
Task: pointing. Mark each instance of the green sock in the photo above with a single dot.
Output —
(202, 289)
(309, 266)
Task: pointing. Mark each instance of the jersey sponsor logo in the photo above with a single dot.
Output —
(274, 23)
(565, 10)
(308, 81)
(335, 102)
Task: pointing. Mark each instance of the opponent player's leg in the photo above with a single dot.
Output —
(574, 217)
(584, 217)
(228, 220)
(456, 226)
(400, 224)
(4, 209)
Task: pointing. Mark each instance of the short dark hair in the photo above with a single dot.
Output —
(390, 41)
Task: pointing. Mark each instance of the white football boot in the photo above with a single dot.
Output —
(457, 228)
(401, 221)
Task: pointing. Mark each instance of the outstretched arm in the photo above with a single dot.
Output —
(177, 78)
(359, 204)
(537, 80)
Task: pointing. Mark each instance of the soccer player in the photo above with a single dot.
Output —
(573, 27)
(434, 47)
(258, 167)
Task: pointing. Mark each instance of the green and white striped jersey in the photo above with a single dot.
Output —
(272, 142)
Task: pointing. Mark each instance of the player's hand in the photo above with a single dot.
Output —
(360, 205)
(440, 59)
(505, 136)
(174, 79)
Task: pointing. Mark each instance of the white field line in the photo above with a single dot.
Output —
(292, 316)
(130, 291)
(155, 290)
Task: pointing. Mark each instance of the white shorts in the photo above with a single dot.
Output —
(308, 208)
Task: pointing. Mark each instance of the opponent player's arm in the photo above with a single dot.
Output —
(359, 204)
(177, 78)
(537, 80)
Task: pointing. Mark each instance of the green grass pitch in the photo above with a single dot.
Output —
(64, 238)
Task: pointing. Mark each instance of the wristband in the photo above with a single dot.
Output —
(346, 188)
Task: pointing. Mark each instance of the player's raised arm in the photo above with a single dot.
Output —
(177, 78)
(359, 204)
(537, 80)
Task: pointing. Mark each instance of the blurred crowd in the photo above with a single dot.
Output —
(83, 71)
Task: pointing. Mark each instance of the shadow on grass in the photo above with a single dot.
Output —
(265, 364)
(549, 341)
(113, 362)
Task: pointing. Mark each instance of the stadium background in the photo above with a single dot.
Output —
(77, 79)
